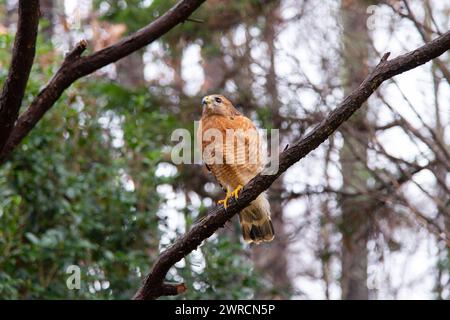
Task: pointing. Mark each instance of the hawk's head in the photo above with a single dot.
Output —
(218, 105)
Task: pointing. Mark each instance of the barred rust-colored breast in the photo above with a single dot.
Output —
(238, 148)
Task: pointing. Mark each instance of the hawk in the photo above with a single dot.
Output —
(231, 150)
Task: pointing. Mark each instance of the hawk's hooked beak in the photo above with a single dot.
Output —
(205, 101)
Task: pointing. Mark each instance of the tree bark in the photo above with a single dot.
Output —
(22, 60)
(47, 12)
(271, 261)
(130, 70)
(353, 155)
(214, 66)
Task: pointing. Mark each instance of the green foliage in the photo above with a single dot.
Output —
(218, 16)
(227, 274)
(65, 200)
(132, 12)
(264, 115)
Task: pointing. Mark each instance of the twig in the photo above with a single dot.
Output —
(195, 20)
(424, 32)
(76, 52)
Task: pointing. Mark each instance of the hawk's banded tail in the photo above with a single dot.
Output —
(255, 221)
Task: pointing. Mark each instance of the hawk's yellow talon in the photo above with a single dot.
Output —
(235, 193)
(225, 201)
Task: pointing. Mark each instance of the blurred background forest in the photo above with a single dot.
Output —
(365, 216)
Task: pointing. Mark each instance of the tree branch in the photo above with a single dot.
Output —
(424, 31)
(75, 67)
(153, 284)
(22, 60)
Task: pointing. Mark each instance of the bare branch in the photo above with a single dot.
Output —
(75, 67)
(424, 32)
(22, 60)
(154, 281)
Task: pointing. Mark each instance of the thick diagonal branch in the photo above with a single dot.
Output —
(22, 60)
(154, 286)
(76, 66)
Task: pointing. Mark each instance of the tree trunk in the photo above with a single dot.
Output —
(353, 154)
(47, 13)
(271, 261)
(442, 286)
(130, 70)
(214, 66)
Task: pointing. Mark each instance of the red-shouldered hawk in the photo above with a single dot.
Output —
(231, 149)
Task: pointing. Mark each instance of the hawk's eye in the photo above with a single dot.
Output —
(218, 100)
